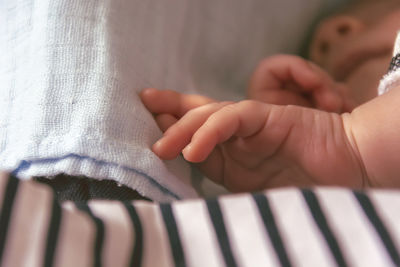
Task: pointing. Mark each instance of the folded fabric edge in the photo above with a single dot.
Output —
(23, 171)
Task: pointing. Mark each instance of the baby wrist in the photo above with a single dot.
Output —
(352, 143)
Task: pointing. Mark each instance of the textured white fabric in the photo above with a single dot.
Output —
(70, 71)
(392, 79)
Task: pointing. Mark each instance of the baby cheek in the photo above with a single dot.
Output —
(386, 29)
(393, 20)
(365, 79)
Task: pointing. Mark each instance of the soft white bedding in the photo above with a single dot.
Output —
(70, 71)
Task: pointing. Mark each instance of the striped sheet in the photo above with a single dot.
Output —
(285, 227)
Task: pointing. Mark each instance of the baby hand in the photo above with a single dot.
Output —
(286, 79)
(250, 145)
(168, 106)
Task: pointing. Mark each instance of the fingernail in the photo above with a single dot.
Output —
(156, 146)
(148, 90)
(187, 149)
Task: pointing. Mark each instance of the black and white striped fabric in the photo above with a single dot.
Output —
(285, 227)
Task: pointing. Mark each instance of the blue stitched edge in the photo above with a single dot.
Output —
(26, 164)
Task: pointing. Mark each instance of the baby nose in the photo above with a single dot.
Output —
(330, 33)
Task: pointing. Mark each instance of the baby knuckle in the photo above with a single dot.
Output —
(196, 111)
(226, 105)
(247, 104)
(207, 108)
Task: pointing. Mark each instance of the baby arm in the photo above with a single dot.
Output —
(292, 80)
(251, 145)
(374, 131)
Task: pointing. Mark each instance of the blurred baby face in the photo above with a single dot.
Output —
(356, 48)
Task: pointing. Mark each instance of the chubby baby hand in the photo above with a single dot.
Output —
(292, 80)
(251, 145)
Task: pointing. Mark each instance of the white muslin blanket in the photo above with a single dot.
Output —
(70, 72)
